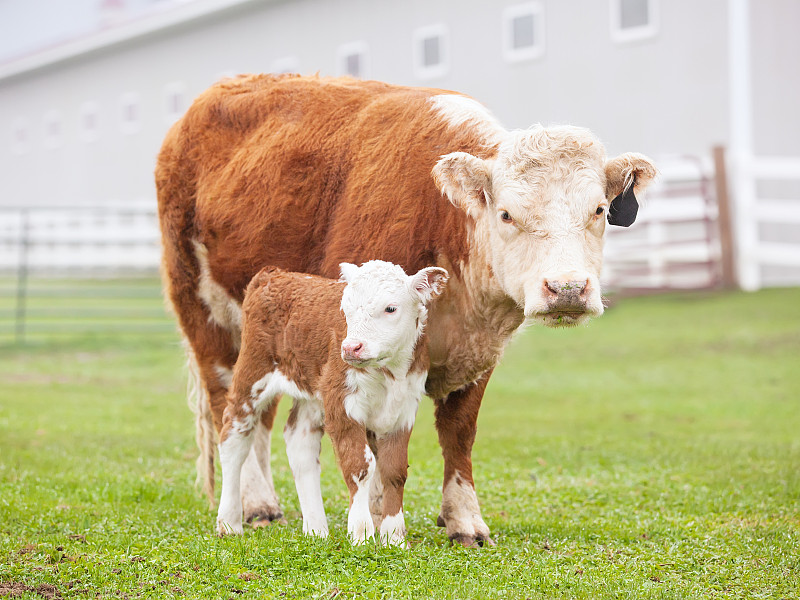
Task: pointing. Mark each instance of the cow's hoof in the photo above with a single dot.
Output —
(472, 541)
(265, 517)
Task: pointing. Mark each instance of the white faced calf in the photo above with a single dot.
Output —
(351, 356)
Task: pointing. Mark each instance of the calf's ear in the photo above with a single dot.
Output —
(627, 176)
(464, 179)
(348, 272)
(429, 283)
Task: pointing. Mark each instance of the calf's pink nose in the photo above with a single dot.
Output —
(352, 349)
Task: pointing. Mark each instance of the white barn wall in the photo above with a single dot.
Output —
(776, 77)
(660, 96)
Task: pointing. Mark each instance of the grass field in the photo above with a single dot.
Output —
(652, 454)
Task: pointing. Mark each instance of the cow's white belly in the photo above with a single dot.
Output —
(383, 404)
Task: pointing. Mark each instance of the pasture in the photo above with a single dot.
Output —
(653, 454)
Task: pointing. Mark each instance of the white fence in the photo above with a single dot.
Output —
(674, 243)
(80, 240)
(66, 272)
(767, 228)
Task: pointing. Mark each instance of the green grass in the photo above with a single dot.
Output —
(66, 308)
(653, 454)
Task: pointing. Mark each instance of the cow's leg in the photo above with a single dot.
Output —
(357, 463)
(211, 345)
(456, 423)
(210, 376)
(210, 320)
(303, 434)
(260, 502)
(393, 471)
(236, 439)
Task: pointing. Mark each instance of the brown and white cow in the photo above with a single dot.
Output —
(353, 356)
(306, 172)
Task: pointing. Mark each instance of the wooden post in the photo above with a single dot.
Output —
(727, 248)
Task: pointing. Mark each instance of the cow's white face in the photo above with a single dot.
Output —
(385, 311)
(540, 209)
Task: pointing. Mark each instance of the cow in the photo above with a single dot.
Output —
(308, 172)
(353, 356)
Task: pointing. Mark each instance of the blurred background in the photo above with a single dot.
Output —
(88, 88)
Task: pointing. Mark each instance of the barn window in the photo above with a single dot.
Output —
(633, 19)
(523, 32)
(20, 137)
(174, 101)
(352, 59)
(90, 121)
(53, 134)
(431, 52)
(130, 113)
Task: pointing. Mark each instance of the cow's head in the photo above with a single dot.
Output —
(385, 311)
(540, 208)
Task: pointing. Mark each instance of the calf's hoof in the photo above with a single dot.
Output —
(393, 531)
(226, 528)
(320, 532)
(360, 530)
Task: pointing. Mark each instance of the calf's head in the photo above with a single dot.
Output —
(540, 208)
(385, 311)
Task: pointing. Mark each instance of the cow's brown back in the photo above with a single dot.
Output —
(305, 173)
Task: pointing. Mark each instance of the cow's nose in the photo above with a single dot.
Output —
(574, 286)
(566, 294)
(352, 349)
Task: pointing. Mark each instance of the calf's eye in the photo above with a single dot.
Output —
(600, 210)
(506, 217)
(390, 309)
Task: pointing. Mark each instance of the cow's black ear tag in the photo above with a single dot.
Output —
(623, 209)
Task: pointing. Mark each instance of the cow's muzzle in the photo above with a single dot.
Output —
(566, 301)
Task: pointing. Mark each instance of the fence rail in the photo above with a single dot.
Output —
(763, 261)
(675, 241)
(80, 271)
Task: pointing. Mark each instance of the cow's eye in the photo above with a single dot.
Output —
(390, 309)
(600, 210)
(506, 217)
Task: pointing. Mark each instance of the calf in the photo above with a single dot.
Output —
(358, 375)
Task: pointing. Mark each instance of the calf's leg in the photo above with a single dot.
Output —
(242, 415)
(393, 471)
(260, 502)
(357, 463)
(236, 439)
(376, 487)
(303, 434)
(456, 423)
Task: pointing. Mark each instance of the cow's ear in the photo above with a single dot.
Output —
(348, 272)
(464, 179)
(429, 283)
(627, 176)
